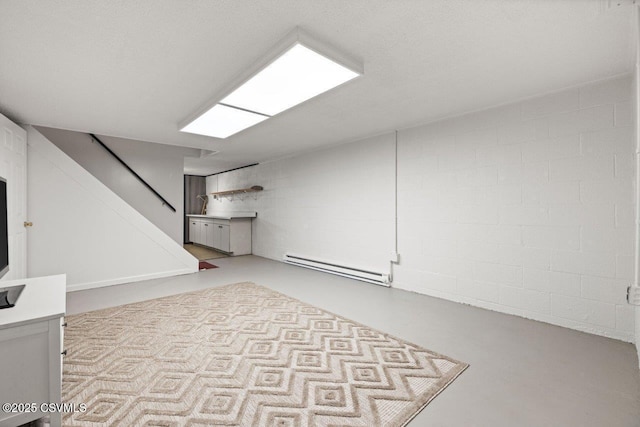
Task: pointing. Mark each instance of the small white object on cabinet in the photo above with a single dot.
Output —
(31, 338)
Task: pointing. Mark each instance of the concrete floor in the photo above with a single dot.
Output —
(522, 373)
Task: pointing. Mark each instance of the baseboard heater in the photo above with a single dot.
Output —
(341, 270)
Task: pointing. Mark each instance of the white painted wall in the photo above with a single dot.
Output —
(526, 209)
(636, 115)
(85, 230)
(160, 165)
(334, 204)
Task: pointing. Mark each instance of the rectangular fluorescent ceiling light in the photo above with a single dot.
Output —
(222, 121)
(299, 74)
(295, 76)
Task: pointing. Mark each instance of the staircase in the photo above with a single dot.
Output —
(84, 229)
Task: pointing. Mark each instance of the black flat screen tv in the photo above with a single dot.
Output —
(4, 229)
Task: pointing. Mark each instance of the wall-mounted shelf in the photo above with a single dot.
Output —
(240, 193)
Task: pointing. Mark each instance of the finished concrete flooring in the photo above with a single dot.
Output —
(522, 373)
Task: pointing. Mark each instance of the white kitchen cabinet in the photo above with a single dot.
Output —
(227, 234)
(222, 237)
(209, 233)
(194, 230)
(197, 232)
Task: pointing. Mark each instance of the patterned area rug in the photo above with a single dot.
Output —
(242, 355)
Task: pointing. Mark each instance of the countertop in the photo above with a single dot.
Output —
(230, 215)
(43, 298)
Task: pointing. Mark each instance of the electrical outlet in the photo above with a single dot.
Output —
(633, 295)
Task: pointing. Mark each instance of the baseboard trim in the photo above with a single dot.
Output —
(122, 280)
(565, 323)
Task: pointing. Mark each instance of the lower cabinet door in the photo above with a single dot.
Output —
(208, 233)
(193, 231)
(224, 238)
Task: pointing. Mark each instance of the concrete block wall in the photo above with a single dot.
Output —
(334, 204)
(527, 208)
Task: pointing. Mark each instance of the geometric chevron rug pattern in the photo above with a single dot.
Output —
(242, 355)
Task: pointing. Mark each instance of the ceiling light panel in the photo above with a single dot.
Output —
(293, 71)
(222, 121)
(296, 76)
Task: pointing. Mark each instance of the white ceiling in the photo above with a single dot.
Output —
(134, 69)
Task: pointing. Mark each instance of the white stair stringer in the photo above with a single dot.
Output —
(84, 229)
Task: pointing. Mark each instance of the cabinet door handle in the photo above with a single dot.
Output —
(219, 226)
(64, 353)
(64, 325)
(206, 225)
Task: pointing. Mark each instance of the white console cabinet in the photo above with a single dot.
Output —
(31, 337)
